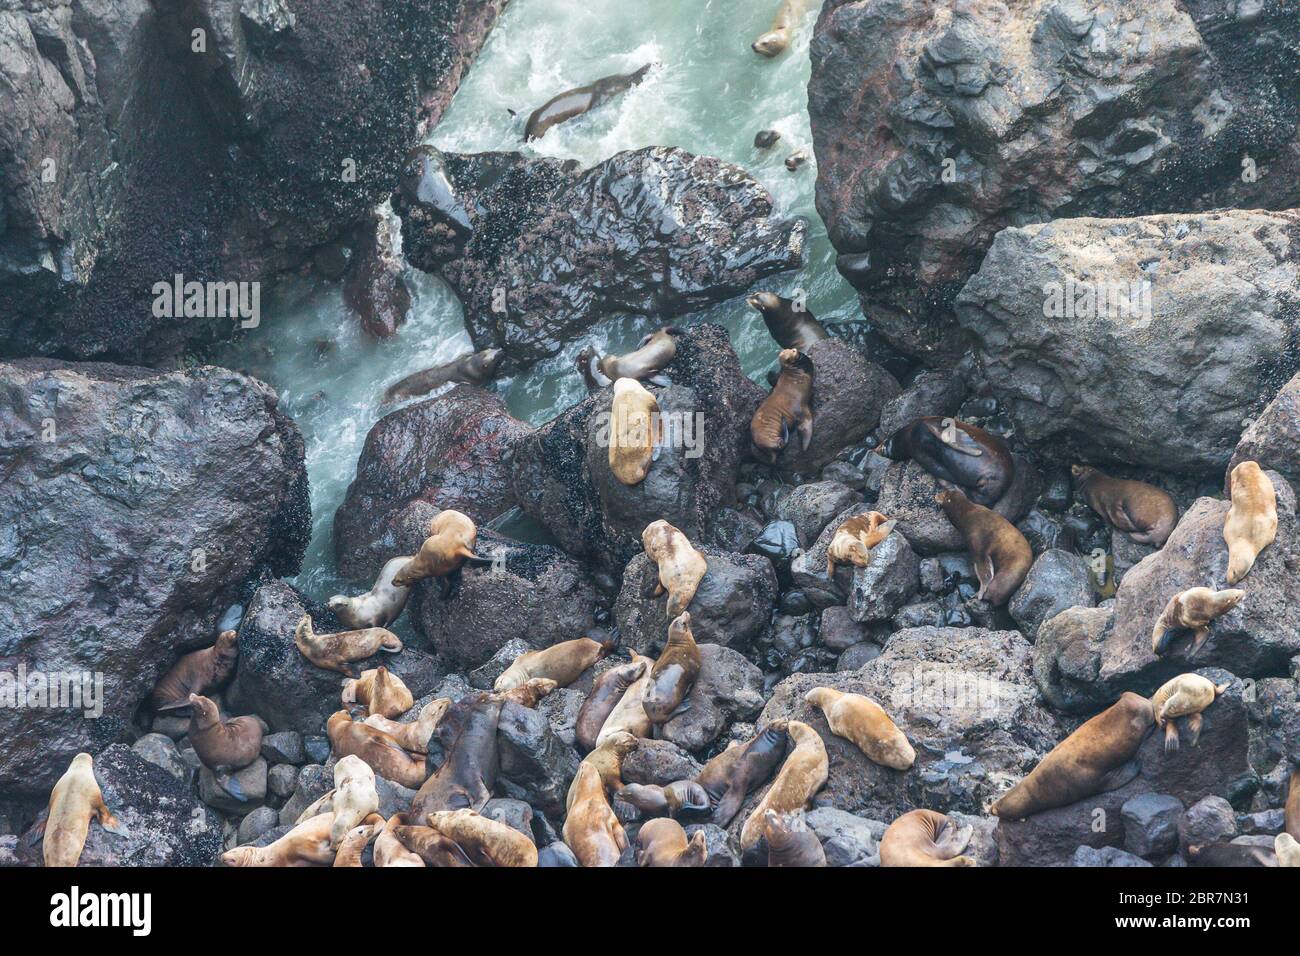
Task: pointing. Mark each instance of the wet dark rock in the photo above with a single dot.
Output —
(375, 288)
(282, 780)
(1045, 532)
(1151, 824)
(485, 676)
(314, 781)
(810, 507)
(1067, 659)
(839, 631)
(729, 689)
(260, 821)
(659, 762)
(515, 814)
(885, 584)
(1209, 820)
(1058, 580)
(654, 231)
(137, 505)
(1273, 437)
(930, 393)
(535, 765)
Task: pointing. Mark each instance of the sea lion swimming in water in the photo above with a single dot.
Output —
(1143, 512)
(778, 36)
(197, 673)
(380, 606)
(792, 328)
(951, 450)
(787, 410)
(473, 369)
(583, 99)
(75, 800)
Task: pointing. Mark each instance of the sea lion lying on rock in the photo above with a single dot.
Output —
(1143, 512)
(925, 838)
(854, 539)
(1192, 610)
(75, 800)
(681, 567)
(380, 606)
(336, 651)
(787, 410)
(1183, 698)
(977, 461)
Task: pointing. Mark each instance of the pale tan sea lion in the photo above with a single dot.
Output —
(414, 736)
(779, 35)
(1251, 524)
(563, 663)
(1293, 806)
(381, 605)
(468, 733)
(674, 673)
(854, 539)
(334, 652)
(681, 567)
(307, 844)
(354, 797)
(628, 715)
(662, 842)
(389, 850)
(999, 552)
(451, 541)
(656, 352)
(925, 838)
(635, 432)
(1143, 512)
(531, 692)
(1194, 610)
(864, 722)
(197, 673)
(486, 842)
(786, 411)
(1184, 698)
(607, 758)
(1287, 850)
(380, 752)
(74, 801)
(804, 772)
(223, 745)
(591, 829)
(380, 691)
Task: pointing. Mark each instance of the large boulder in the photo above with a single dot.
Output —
(1067, 659)
(1057, 581)
(729, 689)
(137, 504)
(286, 122)
(451, 451)
(1191, 318)
(655, 231)
(937, 125)
(1273, 438)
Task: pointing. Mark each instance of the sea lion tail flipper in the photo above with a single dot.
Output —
(112, 824)
(1171, 737)
(1220, 688)
(1194, 723)
(1161, 637)
(511, 112)
(478, 561)
(1120, 776)
(1198, 641)
(37, 832)
(657, 441)
(954, 839)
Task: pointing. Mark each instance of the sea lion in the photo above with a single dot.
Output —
(792, 328)
(486, 842)
(654, 353)
(432, 847)
(415, 735)
(1287, 850)
(663, 842)
(469, 770)
(307, 844)
(674, 673)
(582, 99)
(854, 539)
(75, 799)
(473, 369)
(531, 692)
(451, 541)
(730, 776)
(197, 673)
(380, 606)
(1143, 512)
(389, 850)
(223, 746)
(380, 751)
(563, 663)
(925, 838)
(681, 567)
(1192, 610)
(380, 691)
(355, 841)
(1251, 524)
(591, 829)
(587, 364)
(797, 160)
(1293, 806)
(786, 410)
(1184, 697)
(790, 842)
(954, 451)
(635, 432)
(334, 652)
(778, 36)
(628, 715)
(802, 775)
(1096, 758)
(766, 138)
(864, 722)
(1001, 555)
(608, 756)
(681, 797)
(1231, 854)
(605, 694)
(354, 797)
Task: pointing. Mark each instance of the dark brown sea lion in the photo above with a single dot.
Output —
(663, 842)
(802, 774)
(1143, 512)
(586, 363)
(977, 461)
(790, 842)
(1231, 854)
(766, 138)
(605, 695)
(925, 838)
(730, 776)
(791, 328)
(797, 160)
(1096, 758)
(674, 673)
(786, 410)
(680, 798)
(999, 552)
(469, 770)
(223, 745)
(473, 369)
(583, 99)
(197, 673)
(655, 352)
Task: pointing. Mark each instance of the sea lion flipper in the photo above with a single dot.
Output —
(112, 824)
(955, 438)
(1198, 641)
(1194, 723)
(1120, 776)
(953, 840)
(663, 381)
(174, 705)
(37, 832)
(805, 433)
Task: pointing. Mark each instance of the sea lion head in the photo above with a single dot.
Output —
(339, 604)
(485, 362)
(789, 358)
(226, 641)
(654, 539)
(821, 696)
(772, 43)
(948, 498)
(203, 711)
(765, 302)
(239, 856)
(622, 742)
(680, 626)
(1083, 473)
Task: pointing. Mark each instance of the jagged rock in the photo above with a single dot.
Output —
(1057, 581)
(137, 503)
(885, 584)
(561, 707)
(847, 840)
(161, 751)
(808, 571)
(375, 288)
(513, 813)
(1107, 856)
(535, 765)
(1209, 820)
(485, 676)
(718, 850)
(1273, 438)
(284, 747)
(659, 762)
(246, 790)
(931, 393)
(314, 781)
(1151, 824)
(1067, 659)
(282, 780)
(728, 689)
(856, 656)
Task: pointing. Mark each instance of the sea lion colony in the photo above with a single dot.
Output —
(758, 789)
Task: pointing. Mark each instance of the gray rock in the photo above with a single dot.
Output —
(1057, 581)
(884, 585)
(729, 688)
(810, 507)
(284, 747)
(717, 847)
(847, 840)
(1210, 820)
(1273, 437)
(1106, 856)
(317, 748)
(1067, 659)
(485, 676)
(1151, 824)
(282, 780)
(839, 631)
(245, 789)
(659, 762)
(857, 655)
(535, 765)
(314, 781)
(260, 821)
(513, 813)
(556, 854)
(931, 393)
(161, 751)
(561, 708)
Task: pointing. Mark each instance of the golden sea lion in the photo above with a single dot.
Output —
(674, 673)
(381, 605)
(563, 663)
(575, 102)
(451, 541)
(778, 36)
(742, 768)
(864, 722)
(1293, 806)
(530, 692)
(1251, 524)
(1096, 758)
(75, 799)
(999, 552)
(628, 715)
(1184, 698)
(389, 850)
(681, 567)
(607, 758)
(307, 844)
(800, 777)
(380, 691)
(854, 539)
(792, 328)
(925, 838)
(380, 751)
(591, 829)
(415, 735)
(655, 352)
(977, 461)
(1143, 512)
(786, 410)
(1287, 850)
(486, 842)
(663, 842)
(354, 796)
(605, 694)
(355, 841)
(197, 673)
(223, 745)
(334, 652)
(635, 432)
(789, 841)
(1192, 610)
